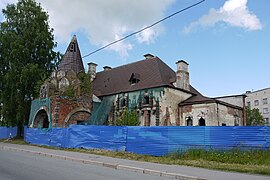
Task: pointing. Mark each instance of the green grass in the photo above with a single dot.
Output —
(252, 161)
(14, 141)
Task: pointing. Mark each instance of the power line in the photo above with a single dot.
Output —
(147, 27)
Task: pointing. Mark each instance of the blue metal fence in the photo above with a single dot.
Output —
(7, 132)
(155, 141)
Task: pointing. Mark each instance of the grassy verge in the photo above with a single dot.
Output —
(253, 161)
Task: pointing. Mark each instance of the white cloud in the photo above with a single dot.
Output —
(104, 21)
(148, 35)
(233, 12)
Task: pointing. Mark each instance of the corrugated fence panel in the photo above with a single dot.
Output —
(182, 138)
(97, 137)
(148, 140)
(57, 137)
(53, 137)
(156, 141)
(7, 132)
(4, 132)
(220, 138)
(253, 137)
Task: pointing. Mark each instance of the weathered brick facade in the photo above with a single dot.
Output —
(68, 104)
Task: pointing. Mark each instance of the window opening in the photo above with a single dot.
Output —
(201, 122)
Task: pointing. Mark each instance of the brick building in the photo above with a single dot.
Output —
(61, 101)
(161, 96)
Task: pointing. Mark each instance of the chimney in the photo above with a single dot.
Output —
(107, 68)
(182, 75)
(92, 68)
(148, 56)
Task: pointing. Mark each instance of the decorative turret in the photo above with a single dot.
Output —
(92, 69)
(182, 75)
(72, 59)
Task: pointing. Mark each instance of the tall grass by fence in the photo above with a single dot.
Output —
(155, 141)
(7, 132)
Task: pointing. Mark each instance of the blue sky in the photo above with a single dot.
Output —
(225, 42)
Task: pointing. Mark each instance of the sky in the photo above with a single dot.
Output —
(225, 42)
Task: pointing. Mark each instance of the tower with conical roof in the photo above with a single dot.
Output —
(72, 59)
(65, 103)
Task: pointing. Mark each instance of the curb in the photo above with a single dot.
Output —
(110, 165)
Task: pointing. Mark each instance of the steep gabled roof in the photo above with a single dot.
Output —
(72, 59)
(152, 72)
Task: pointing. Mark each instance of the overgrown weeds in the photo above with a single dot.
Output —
(234, 156)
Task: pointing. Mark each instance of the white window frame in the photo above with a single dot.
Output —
(265, 110)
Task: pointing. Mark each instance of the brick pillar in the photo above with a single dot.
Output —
(146, 118)
(167, 120)
(56, 109)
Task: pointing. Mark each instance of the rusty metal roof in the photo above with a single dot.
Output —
(72, 59)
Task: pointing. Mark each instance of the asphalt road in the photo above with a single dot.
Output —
(16, 165)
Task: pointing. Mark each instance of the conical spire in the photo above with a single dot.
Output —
(72, 59)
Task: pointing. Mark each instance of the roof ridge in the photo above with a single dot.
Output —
(131, 63)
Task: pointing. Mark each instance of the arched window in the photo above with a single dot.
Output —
(201, 122)
(189, 121)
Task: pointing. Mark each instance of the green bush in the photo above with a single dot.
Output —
(128, 118)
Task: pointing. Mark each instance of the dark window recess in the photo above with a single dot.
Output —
(79, 122)
(72, 48)
(201, 122)
(123, 102)
(189, 121)
(140, 102)
(146, 99)
(134, 78)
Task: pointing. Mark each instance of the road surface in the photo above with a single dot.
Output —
(15, 165)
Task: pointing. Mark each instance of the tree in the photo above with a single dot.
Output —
(254, 117)
(27, 55)
(128, 118)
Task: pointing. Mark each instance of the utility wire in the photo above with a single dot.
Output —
(147, 27)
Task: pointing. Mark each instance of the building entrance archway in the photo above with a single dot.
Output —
(41, 119)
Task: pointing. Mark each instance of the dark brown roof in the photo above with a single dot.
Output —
(198, 98)
(151, 72)
(72, 59)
